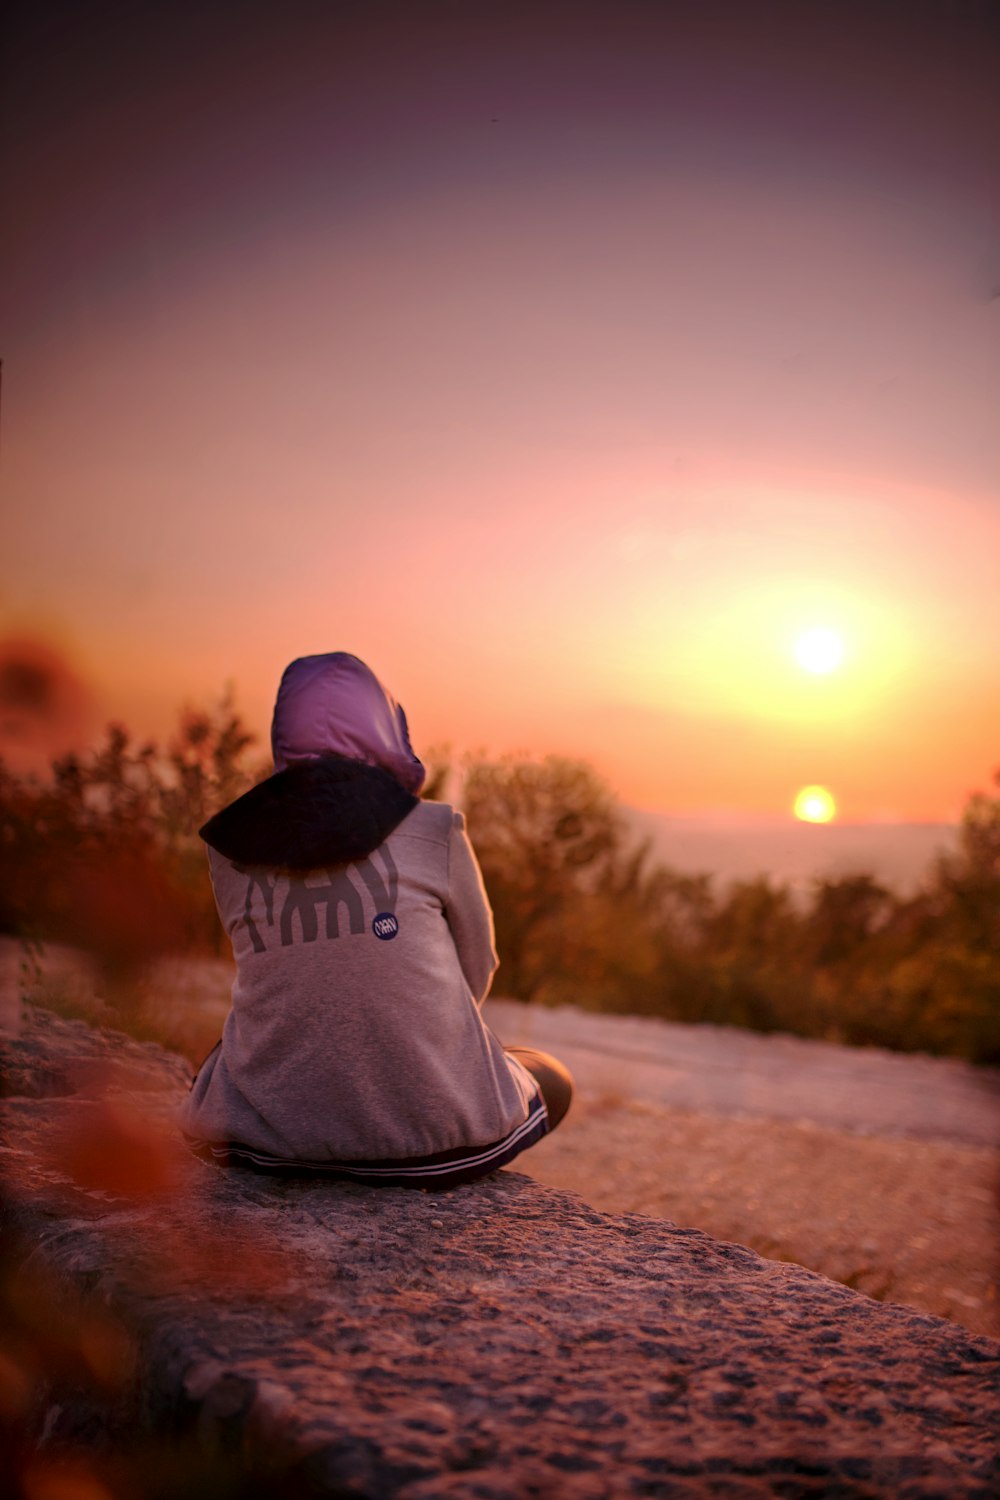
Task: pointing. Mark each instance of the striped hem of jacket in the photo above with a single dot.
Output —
(445, 1168)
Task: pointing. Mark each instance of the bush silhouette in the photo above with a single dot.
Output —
(106, 855)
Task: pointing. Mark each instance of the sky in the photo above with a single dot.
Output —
(567, 362)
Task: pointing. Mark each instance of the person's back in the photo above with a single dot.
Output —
(364, 948)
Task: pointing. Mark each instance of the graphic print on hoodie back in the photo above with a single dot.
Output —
(300, 918)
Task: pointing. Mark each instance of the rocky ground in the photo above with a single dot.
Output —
(878, 1169)
(903, 1221)
(179, 1330)
(895, 1193)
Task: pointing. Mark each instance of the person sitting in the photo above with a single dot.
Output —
(354, 1046)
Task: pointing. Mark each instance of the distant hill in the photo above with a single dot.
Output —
(898, 854)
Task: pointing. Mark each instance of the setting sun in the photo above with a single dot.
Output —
(819, 650)
(814, 804)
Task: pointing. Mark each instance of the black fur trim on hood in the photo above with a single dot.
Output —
(316, 813)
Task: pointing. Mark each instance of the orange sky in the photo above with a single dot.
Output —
(565, 362)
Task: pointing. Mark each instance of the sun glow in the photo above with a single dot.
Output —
(729, 646)
(814, 804)
(819, 650)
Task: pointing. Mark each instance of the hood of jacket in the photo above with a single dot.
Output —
(320, 812)
(334, 703)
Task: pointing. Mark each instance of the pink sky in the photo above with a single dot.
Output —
(566, 362)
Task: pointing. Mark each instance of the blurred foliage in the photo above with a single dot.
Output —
(76, 1424)
(106, 856)
(543, 833)
(584, 916)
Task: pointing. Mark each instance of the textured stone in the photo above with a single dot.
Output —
(499, 1341)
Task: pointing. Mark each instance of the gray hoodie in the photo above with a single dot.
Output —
(364, 947)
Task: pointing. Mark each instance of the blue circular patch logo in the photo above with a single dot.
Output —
(385, 926)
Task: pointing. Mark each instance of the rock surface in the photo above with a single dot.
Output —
(498, 1341)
